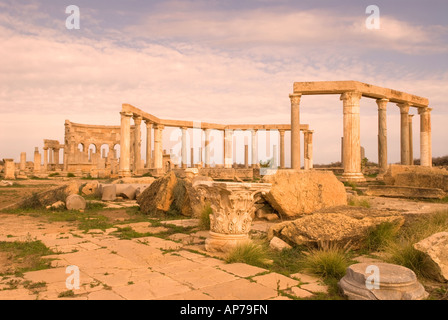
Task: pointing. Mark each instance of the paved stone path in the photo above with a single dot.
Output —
(141, 268)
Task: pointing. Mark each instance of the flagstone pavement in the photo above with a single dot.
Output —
(141, 268)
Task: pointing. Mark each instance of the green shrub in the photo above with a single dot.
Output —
(249, 253)
(328, 262)
(381, 235)
(32, 202)
(70, 175)
(204, 218)
(54, 174)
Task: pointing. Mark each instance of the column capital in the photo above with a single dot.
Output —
(351, 97)
(137, 119)
(410, 116)
(148, 123)
(159, 126)
(126, 114)
(404, 107)
(295, 98)
(281, 131)
(422, 110)
(382, 103)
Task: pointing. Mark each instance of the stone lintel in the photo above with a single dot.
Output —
(367, 90)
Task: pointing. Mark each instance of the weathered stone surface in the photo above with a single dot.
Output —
(108, 192)
(55, 194)
(345, 228)
(436, 248)
(90, 188)
(417, 176)
(392, 282)
(159, 196)
(405, 192)
(278, 244)
(127, 192)
(57, 204)
(75, 202)
(294, 193)
(188, 199)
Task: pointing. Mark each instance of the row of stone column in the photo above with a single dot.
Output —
(406, 139)
(351, 141)
(157, 160)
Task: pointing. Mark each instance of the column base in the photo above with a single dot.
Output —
(125, 173)
(219, 242)
(353, 177)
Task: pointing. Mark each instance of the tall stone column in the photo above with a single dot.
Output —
(228, 151)
(56, 157)
(282, 148)
(425, 140)
(45, 159)
(22, 162)
(137, 143)
(308, 149)
(411, 141)
(125, 144)
(158, 147)
(184, 148)
(254, 148)
(148, 144)
(207, 148)
(274, 157)
(404, 132)
(51, 150)
(382, 134)
(246, 156)
(352, 133)
(295, 130)
(37, 160)
(191, 157)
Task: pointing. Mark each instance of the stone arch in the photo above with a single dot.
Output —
(116, 151)
(104, 150)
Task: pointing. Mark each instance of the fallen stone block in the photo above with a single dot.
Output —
(436, 249)
(278, 244)
(405, 192)
(381, 281)
(75, 202)
(108, 192)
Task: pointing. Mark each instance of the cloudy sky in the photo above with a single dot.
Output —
(217, 61)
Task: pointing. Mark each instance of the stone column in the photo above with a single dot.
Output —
(191, 157)
(404, 132)
(184, 148)
(228, 151)
(158, 147)
(137, 143)
(45, 159)
(148, 144)
(51, 150)
(22, 162)
(9, 169)
(274, 156)
(308, 149)
(56, 157)
(254, 148)
(207, 148)
(425, 134)
(352, 133)
(282, 148)
(411, 141)
(295, 130)
(246, 156)
(382, 134)
(37, 160)
(125, 144)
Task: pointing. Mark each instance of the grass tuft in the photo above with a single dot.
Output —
(248, 252)
(328, 261)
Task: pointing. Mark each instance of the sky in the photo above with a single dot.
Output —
(217, 61)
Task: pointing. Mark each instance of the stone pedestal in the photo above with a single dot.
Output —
(232, 204)
(381, 281)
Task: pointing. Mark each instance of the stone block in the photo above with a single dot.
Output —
(297, 192)
(108, 192)
(75, 202)
(405, 192)
(435, 248)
